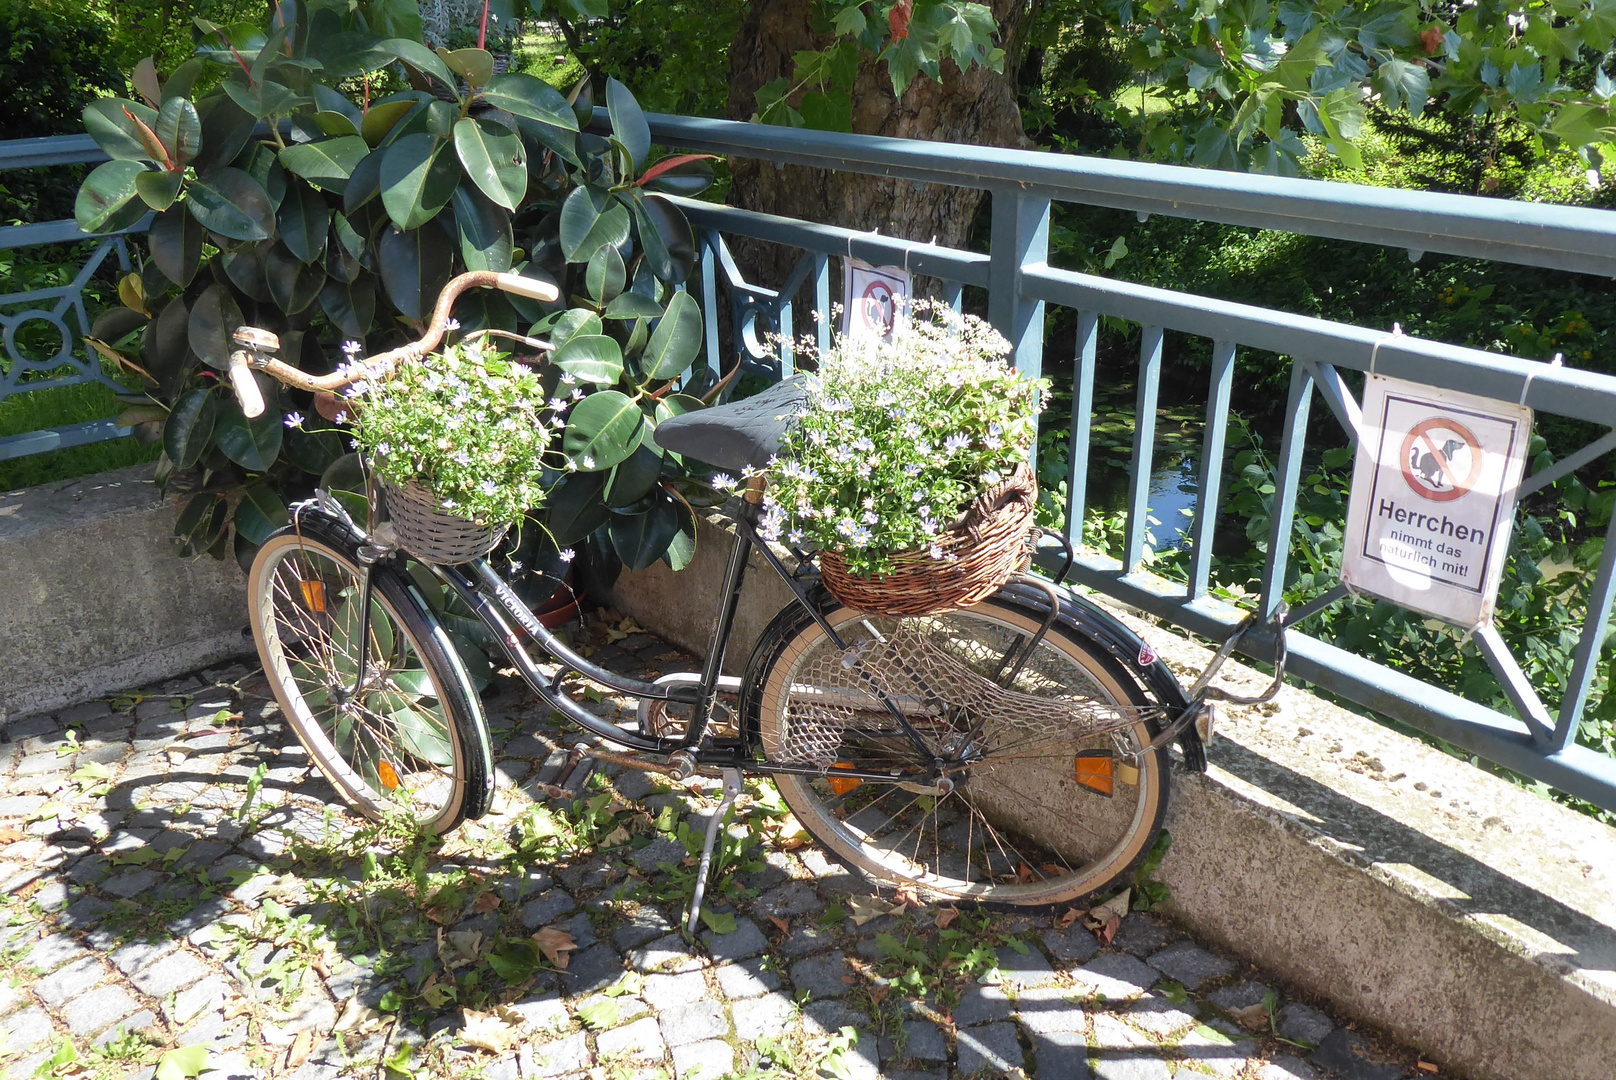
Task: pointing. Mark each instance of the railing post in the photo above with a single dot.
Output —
(1020, 239)
(1282, 512)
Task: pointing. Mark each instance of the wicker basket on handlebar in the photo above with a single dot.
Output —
(431, 533)
(981, 551)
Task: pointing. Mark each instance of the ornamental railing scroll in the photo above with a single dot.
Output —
(60, 308)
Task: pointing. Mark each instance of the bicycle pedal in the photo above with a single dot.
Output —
(1206, 722)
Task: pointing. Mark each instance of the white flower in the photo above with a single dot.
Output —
(488, 487)
(723, 482)
(294, 419)
(352, 347)
(565, 555)
(936, 552)
(341, 417)
(589, 461)
(452, 325)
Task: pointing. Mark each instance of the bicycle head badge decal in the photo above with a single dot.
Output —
(1147, 656)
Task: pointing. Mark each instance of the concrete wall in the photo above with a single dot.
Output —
(93, 597)
(1421, 895)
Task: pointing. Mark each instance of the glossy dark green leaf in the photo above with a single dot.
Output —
(494, 159)
(484, 230)
(341, 262)
(264, 99)
(179, 129)
(183, 80)
(108, 200)
(628, 122)
(689, 178)
(384, 116)
(640, 539)
(575, 509)
(631, 305)
(351, 306)
(312, 451)
(345, 479)
(605, 275)
(231, 203)
(304, 222)
(252, 444)
(327, 99)
(293, 283)
(591, 358)
(175, 240)
(525, 96)
(415, 265)
(582, 102)
(420, 58)
(419, 176)
(590, 218)
(326, 163)
(226, 127)
(261, 163)
(201, 524)
(114, 132)
(602, 429)
(165, 351)
(116, 322)
(633, 479)
(189, 431)
(244, 266)
(214, 317)
(364, 183)
(259, 513)
(676, 342)
(476, 66)
(158, 190)
(666, 238)
(572, 323)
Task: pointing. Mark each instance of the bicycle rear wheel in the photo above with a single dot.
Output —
(411, 738)
(1027, 791)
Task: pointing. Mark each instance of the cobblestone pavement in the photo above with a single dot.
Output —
(174, 874)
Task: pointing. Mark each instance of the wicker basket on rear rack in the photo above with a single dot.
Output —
(431, 533)
(989, 543)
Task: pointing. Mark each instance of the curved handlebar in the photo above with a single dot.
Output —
(257, 345)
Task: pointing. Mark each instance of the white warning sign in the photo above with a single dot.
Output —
(873, 299)
(1433, 498)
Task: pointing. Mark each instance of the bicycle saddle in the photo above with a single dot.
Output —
(736, 435)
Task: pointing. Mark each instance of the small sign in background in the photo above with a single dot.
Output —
(874, 299)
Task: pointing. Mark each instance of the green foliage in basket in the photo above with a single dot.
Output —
(322, 177)
(469, 424)
(898, 437)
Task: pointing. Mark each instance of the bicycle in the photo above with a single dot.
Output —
(1010, 753)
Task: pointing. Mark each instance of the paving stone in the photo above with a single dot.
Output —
(1348, 1054)
(25, 1030)
(547, 908)
(767, 1015)
(690, 1023)
(10, 997)
(206, 995)
(1285, 1067)
(569, 1055)
(634, 784)
(916, 1074)
(647, 924)
(746, 941)
(981, 1004)
(1190, 964)
(51, 896)
(137, 955)
(1122, 1054)
(821, 976)
(788, 901)
(661, 850)
(505, 1068)
(667, 991)
(748, 979)
(1063, 1055)
(50, 953)
(70, 981)
(545, 1013)
(628, 1008)
(922, 1042)
(806, 939)
(83, 913)
(1141, 935)
(94, 1012)
(1218, 1047)
(595, 968)
(669, 953)
(708, 1060)
(831, 875)
(639, 1041)
(1304, 1024)
(1025, 969)
(1239, 996)
(131, 882)
(991, 1048)
(141, 1021)
(1073, 944)
(820, 1018)
(1161, 1017)
(1115, 977)
(1050, 1008)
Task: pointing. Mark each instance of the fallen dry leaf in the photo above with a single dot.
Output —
(1106, 919)
(555, 943)
(457, 948)
(1252, 1017)
(301, 1048)
(488, 901)
(864, 910)
(443, 914)
(1071, 916)
(783, 925)
(491, 1031)
(1426, 1066)
(904, 896)
(10, 834)
(946, 916)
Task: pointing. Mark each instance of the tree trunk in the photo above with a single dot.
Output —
(976, 106)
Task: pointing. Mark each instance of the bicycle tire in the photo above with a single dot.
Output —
(414, 739)
(1091, 842)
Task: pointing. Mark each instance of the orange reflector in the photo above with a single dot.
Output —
(389, 778)
(842, 787)
(1095, 771)
(313, 595)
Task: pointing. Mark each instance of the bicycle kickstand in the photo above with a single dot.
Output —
(732, 788)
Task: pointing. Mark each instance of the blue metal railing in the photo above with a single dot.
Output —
(1020, 284)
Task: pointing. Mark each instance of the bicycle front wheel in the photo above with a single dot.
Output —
(408, 737)
(1017, 776)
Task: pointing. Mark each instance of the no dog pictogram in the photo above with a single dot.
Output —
(1441, 459)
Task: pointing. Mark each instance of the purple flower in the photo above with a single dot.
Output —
(294, 419)
(566, 555)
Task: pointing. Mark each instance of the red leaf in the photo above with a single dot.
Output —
(668, 164)
(1431, 37)
(898, 18)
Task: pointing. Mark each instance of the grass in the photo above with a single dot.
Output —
(38, 410)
